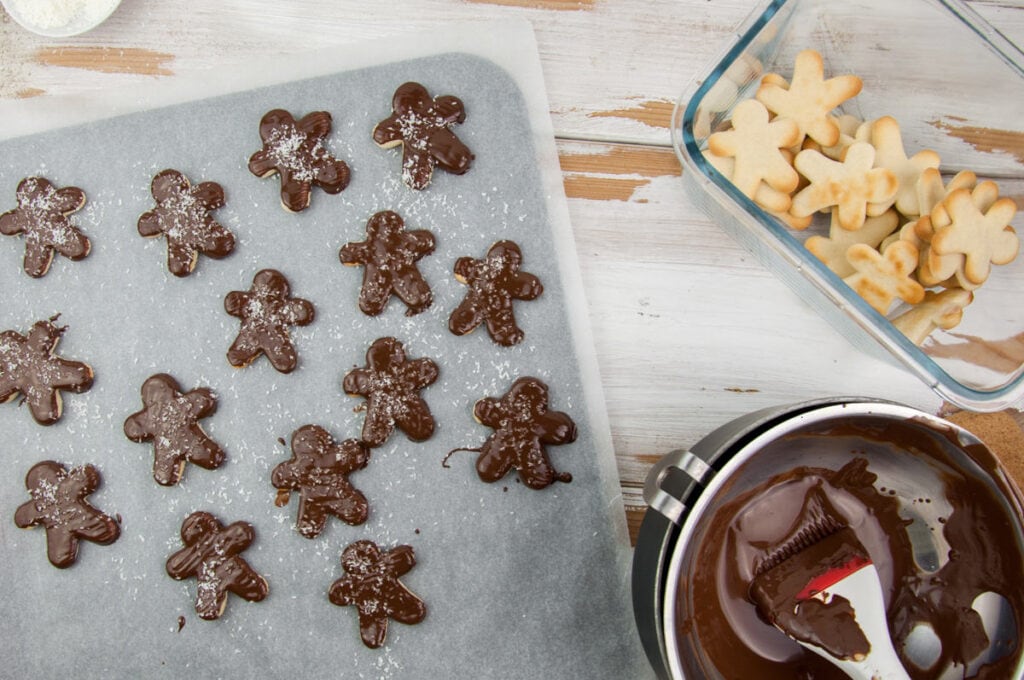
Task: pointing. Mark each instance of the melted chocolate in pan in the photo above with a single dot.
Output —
(941, 534)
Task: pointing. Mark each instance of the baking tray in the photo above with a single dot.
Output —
(516, 581)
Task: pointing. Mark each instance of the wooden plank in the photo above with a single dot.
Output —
(541, 4)
(618, 89)
(613, 69)
(128, 60)
(613, 172)
(987, 140)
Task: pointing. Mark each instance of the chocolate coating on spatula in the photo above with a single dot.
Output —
(818, 544)
(983, 554)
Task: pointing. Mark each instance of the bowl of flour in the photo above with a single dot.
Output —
(59, 18)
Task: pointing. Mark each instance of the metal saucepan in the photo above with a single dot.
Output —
(686, 487)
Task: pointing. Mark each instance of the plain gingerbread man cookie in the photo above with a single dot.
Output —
(850, 185)
(755, 144)
(881, 278)
(980, 231)
(810, 98)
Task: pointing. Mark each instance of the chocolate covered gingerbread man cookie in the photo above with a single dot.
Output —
(182, 216)
(30, 367)
(494, 283)
(391, 385)
(371, 584)
(421, 125)
(295, 151)
(212, 554)
(389, 255)
(42, 216)
(318, 470)
(267, 309)
(522, 426)
(60, 506)
(170, 419)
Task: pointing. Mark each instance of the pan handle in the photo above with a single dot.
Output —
(660, 495)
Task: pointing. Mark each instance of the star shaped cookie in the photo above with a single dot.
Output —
(371, 584)
(389, 255)
(318, 470)
(391, 384)
(267, 310)
(30, 367)
(422, 126)
(170, 419)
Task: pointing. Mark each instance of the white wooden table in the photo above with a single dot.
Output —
(690, 331)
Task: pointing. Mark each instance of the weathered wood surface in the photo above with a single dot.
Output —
(690, 331)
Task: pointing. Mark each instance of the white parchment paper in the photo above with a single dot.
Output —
(518, 583)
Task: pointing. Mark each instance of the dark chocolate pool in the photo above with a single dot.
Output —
(928, 502)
